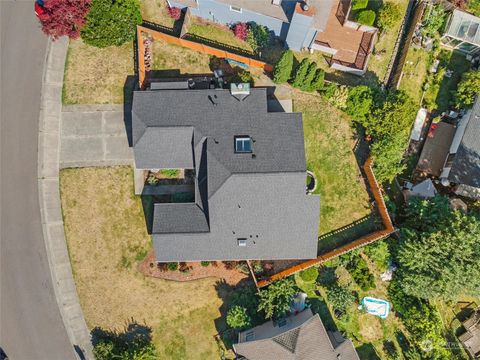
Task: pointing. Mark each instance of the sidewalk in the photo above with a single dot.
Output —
(49, 198)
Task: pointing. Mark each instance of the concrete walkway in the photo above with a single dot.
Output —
(49, 196)
(93, 135)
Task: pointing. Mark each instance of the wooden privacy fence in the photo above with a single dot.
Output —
(157, 35)
(362, 241)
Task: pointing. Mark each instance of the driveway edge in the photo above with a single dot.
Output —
(49, 198)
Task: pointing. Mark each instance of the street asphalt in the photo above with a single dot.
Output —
(30, 324)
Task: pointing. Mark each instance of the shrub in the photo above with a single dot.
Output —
(152, 180)
(301, 73)
(307, 82)
(366, 17)
(229, 265)
(246, 297)
(388, 15)
(258, 36)
(184, 268)
(433, 21)
(238, 318)
(172, 173)
(243, 76)
(358, 268)
(275, 300)
(173, 266)
(473, 6)
(241, 30)
(327, 276)
(174, 12)
(340, 297)
(339, 97)
(318, 80)
(111, 22)
(204, 263)
(359, 4)
(379, 253)
(64, 17)
(283, 68)
(329, 90)
(359, 102)
(467, 88)
(309, 275)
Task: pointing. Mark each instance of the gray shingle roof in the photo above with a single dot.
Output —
(304, 338)
(174, 143)
(259, 196)
(466, 164)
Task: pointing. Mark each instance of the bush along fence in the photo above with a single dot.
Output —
(144, 32)
(355, 244)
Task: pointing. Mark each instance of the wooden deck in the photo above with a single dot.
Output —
(352, 45)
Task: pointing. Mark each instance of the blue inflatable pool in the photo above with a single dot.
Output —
(377, 307)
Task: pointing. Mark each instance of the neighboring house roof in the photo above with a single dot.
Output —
(258, 196)
(302, 337)
(283, 12)
(466, 164)
(471, 338)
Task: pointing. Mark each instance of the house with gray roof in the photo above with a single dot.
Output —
(248, 193)
(462, 166)
(300, 336)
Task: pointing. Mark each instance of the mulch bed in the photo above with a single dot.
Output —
(196, 271)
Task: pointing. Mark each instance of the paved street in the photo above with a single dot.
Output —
(31, 327)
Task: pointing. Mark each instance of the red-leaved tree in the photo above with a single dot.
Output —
(174, 12)
(241, 30)
(64, 17)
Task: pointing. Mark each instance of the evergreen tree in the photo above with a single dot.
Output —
(301, 73)
(318, 80)
(307, 82)
(283, 68)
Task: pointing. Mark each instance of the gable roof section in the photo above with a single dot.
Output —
(466, 164)
(306, 340)
(165, 148)
(178, 218)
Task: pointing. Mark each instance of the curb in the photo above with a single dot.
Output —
(49, 199)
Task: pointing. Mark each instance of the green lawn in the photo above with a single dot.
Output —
(414, 73)
(218, 34)
(329, 143)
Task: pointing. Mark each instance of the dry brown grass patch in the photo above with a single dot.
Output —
(94, 75)
(106, 234)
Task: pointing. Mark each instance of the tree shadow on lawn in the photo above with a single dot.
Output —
(133, 335)
(227, 292)
(367, 352)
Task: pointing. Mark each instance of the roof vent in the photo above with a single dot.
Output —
(240, 91)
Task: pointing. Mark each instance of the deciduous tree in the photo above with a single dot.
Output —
(64, 17)
(468, 88)
(275, 301)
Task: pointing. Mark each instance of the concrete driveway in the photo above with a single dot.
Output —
(31, 327)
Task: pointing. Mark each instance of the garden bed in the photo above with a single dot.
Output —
(190, 271)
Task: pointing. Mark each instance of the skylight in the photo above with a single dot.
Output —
(243, 144)
(242, 242)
